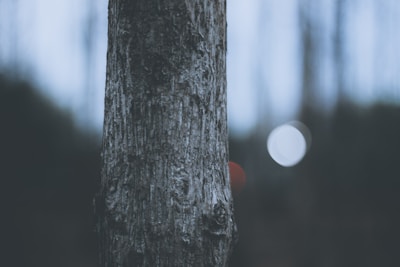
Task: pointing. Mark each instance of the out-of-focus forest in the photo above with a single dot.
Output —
(338, 207)
(49, 169)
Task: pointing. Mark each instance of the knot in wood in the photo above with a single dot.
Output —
(220, 214)
(217, 222)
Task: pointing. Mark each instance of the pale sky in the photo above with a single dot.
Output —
(263, 60)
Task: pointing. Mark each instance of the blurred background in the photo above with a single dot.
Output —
(334, 65)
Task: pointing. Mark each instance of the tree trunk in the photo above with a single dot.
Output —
(165, 198)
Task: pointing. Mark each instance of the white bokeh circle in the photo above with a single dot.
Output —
(287, 145)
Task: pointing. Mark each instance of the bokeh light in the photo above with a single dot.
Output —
(237, 177)
(287, 144)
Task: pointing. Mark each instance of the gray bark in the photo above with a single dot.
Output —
(165, 198)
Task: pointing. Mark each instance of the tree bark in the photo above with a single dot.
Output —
(165, 198)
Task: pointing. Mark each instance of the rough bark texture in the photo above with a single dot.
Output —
(165, 198)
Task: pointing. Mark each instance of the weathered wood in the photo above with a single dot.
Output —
(165, 198)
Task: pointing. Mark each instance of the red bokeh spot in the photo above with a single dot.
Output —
(237, 178)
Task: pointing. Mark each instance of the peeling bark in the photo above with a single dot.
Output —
(165, 198)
